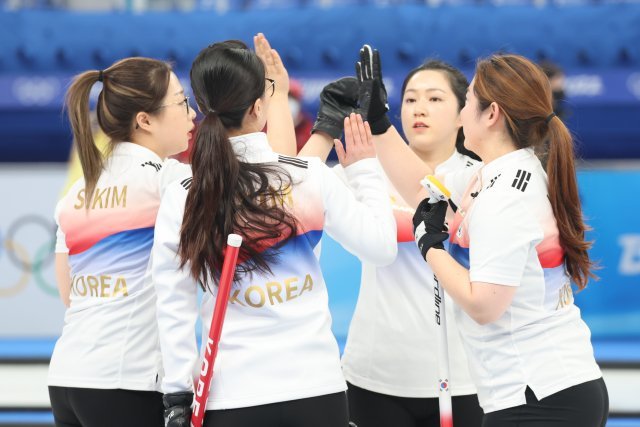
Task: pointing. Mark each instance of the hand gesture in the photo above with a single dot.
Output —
(274, 68)
(372, 97)
(338, 99)
(358, 141)
(428, 225)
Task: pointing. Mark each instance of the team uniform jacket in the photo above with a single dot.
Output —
(110, 338)
(506, 223)
(391, 347)
(276, 344)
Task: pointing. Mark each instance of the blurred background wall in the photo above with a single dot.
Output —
(593, 46)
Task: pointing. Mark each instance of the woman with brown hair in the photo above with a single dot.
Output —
(105, 367)
(278, 362)
(529, 351)
(108, 355)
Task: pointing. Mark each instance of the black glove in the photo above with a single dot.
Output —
(428, 226)
(177, 409)
(372, 97)
(338, 99)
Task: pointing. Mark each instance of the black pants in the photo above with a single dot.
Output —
(323, 411)
(583, 405)
(88, 407)
(370, 409)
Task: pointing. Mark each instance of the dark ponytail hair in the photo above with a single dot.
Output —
(530, 122)
(459, 85)
(228, 195)
(129, 86)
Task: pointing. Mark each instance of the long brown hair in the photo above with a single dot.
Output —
(523, 93)
(228, 195)
(129, 86)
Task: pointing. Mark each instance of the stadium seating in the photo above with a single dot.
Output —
(590, 41)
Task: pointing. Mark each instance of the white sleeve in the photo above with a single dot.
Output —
(363, 223)
(503, 232)
(61, 242)
(458, 180)
(172, 171)
(339, 171)
(177, 305)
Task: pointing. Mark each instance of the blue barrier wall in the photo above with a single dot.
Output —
(604, 104)
(611, 306)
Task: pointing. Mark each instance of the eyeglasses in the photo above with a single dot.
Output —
(185, 101)
(272, 86)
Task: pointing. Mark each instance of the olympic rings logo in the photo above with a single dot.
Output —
(28, 262)
(633, 83)
(36, 90)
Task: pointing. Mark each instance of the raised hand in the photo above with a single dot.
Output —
(338, 99)
(358, 141)
(274, 68)
(372, 96)
(280, 128)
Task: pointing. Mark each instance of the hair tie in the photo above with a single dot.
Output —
(212, 111)
(549, 117)
(100, 76)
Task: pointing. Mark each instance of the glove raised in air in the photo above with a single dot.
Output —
(338, 99)
(372, 95)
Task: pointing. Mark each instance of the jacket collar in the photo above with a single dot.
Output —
(253, 148)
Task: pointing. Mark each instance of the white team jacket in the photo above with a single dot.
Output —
(506, 222)
(276, 343)
(110, 338)
(391, 347)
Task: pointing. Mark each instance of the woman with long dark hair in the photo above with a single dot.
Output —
(278, 362)
(105, 369)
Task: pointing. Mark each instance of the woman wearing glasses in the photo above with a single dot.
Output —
(278, 363)
(105, 367)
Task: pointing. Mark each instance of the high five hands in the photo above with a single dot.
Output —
(358, 141)
(372, 95)
(274, 67)
(280, 126)
(364, 94)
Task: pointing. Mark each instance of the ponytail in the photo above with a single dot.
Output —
(460, 148)
(530, 123)
(129, 86)
(228, 196)
(565, 202)
(77, 105)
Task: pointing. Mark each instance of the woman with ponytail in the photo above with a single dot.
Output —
(105, 367)
(278, 363)
(529, 351)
